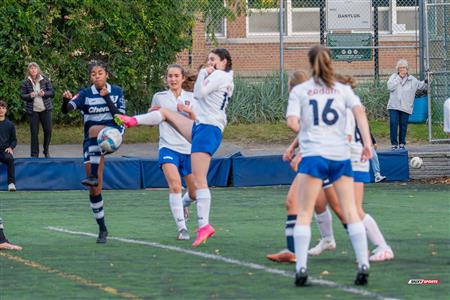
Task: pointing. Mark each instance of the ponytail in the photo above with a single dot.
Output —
(321, 65)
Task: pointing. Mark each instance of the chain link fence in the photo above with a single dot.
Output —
(438, 63)
(271, 38)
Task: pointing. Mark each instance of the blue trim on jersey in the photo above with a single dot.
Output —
(180, 160)
(205, 138)
(320, 167)
(359, 176)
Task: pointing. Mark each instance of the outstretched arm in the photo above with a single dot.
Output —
(65, 106)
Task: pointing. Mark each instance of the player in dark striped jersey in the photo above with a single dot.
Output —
(98, 104)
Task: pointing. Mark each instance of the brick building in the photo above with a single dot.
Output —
(253, 40)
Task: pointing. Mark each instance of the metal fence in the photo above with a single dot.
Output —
(438, 63)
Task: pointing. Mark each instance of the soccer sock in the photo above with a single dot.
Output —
(176, 206)
(187, 200)
(94, 156)
(302, 237)
(2, 235)
(373, 232)
(203, 206)
(289, 232)
(325, 224)
(97, 209)
(357, 234)
(151, 118)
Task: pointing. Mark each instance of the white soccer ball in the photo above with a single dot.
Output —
(416, 162)
(109, 139)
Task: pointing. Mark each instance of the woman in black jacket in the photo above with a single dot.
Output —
(37, 92)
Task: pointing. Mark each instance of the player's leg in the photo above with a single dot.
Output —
(95, 154)
(96, 202)
(181, 123)
(308, 191)
(288, 254)
(4, 243)
(382, 251)
(325, 224)
(189, 196)
(355, 228)
(175, 202)
(200, 167)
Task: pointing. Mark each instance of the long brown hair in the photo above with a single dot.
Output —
(321, 65)
(346, 79)
(296, 78)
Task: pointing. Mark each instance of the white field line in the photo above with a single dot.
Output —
(232, 261)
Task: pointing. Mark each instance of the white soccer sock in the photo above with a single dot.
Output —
(357, 234)
(176, 206)
(302, 237)
(203, 206)
(373, 232)
(325, 224)
(187, 200)
(151, 118)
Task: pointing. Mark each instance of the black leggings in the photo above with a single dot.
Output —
(8, 159)
(45, 118)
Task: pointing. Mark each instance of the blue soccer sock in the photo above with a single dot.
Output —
(289, 232)
(94, 156)
(97, 209)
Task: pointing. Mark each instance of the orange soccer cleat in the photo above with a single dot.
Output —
(284, 256)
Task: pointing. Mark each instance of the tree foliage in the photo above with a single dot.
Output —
(137, 38)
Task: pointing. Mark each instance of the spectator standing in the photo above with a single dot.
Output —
(402, 90)
(8, 142)
(37, 92)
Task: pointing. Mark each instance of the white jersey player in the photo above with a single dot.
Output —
(174, 149)
(214, 87)
(317, 111)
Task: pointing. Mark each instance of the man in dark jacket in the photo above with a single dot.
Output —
(37, 92)
(8, 142)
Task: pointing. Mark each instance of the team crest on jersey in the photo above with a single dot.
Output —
(114, 98)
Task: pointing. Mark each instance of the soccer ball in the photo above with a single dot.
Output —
(109, 139)
(416, 162)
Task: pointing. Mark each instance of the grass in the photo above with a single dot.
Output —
(240, 133)
(249, 224)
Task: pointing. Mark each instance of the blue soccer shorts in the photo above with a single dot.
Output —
(205, 138)
(319, 167)
(180, 160)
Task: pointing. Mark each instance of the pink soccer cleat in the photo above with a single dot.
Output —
(203, 234)
(125, 120)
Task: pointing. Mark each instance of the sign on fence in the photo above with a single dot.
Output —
(346, 41)
(349, 14)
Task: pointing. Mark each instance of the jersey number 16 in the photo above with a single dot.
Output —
(329, 114)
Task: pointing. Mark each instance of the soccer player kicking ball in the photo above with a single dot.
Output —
(98, 109)
(212, 90)
(317, 112)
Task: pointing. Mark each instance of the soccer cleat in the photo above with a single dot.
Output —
(102, 235)
(301, 277)
(284, 256)
(90, 181)
(382, 253)
(362, 275)
(125, 120)
(6, 245)
(324, 244)
(203, 234)
(11, 187)
(183, 235)
(379, 177)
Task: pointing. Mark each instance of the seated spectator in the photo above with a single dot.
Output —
(4, 243)
(7, 144)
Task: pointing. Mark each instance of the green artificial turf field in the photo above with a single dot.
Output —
(143, 260)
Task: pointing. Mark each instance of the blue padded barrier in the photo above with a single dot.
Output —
(153, 177)
(261, 170)
(394, 165)
(67, 173)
